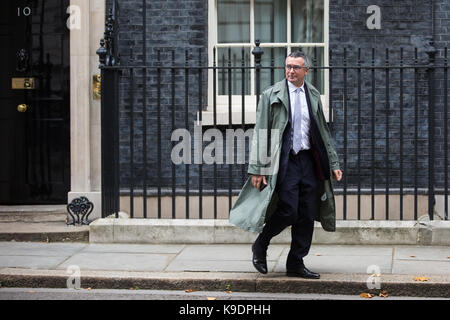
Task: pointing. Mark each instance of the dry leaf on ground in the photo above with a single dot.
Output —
(228, 291)
(413, 256)
(366, 295)
(189, 290)
(423, 279)
(318, 254)
(376, 275)
(211, 298)
(384, 294)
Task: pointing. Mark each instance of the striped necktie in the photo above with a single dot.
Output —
(297, 123)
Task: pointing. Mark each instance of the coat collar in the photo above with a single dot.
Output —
(281, 90)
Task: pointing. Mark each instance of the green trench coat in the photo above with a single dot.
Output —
(252, 208)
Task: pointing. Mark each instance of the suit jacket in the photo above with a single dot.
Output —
(316, 142)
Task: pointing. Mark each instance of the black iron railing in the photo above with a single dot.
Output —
(387, 110)
(367, 117)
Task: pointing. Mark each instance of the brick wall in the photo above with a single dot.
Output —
(404, 24)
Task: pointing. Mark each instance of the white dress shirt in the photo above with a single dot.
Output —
(304, 145)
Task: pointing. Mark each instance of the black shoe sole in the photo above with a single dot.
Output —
(260, 271)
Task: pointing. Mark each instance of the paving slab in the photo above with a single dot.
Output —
(221, 258)
(412, 253)
(37, 248)
(32, 262)
(134, 248)
(215, 265)
(350, 250)
(343, 264)
(36, 255)
(225, 252)
(343, 259)
(118, 261)
(421, 267)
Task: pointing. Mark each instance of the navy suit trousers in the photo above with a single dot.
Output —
(296, 208)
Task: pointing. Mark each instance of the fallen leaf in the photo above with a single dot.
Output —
(384, 294)
(366, 295)
(318, 254)
(376, 275)
(228, 291)
(413, 256)
(189, 290)
(448, 257)
(211, 298)
(423, 279)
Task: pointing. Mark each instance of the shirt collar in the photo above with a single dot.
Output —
(292, 87)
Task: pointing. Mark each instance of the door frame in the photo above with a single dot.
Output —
(85, 126)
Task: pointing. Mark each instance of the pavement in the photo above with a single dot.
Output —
(400, 270)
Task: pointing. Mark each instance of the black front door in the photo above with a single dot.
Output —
(34, 102)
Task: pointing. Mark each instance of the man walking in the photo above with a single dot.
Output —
(299, 188)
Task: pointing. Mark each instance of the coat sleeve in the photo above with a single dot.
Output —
(328, 140)
(260, 139)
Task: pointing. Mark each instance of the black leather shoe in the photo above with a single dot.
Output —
(302, 272)
(259, 260)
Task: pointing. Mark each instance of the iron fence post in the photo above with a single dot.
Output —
(109, 58)
(431, 126)
(257, 52)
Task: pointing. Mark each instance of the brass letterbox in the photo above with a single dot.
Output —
(23, 83)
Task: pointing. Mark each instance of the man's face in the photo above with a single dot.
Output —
(295, 70)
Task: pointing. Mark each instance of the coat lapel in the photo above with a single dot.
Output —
(313, 98)
(280, 89)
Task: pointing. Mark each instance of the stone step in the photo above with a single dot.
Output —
(43, 232)
(33, 213)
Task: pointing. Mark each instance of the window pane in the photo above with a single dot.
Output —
(307, 20)
(236, 74)
(270, 20)
(233, 21)
(272, 57)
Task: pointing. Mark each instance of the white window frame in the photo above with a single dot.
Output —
(222, 104)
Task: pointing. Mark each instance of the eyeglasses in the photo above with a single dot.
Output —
(295, 67)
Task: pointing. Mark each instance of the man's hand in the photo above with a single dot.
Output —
(258, 180)
(337, 174)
